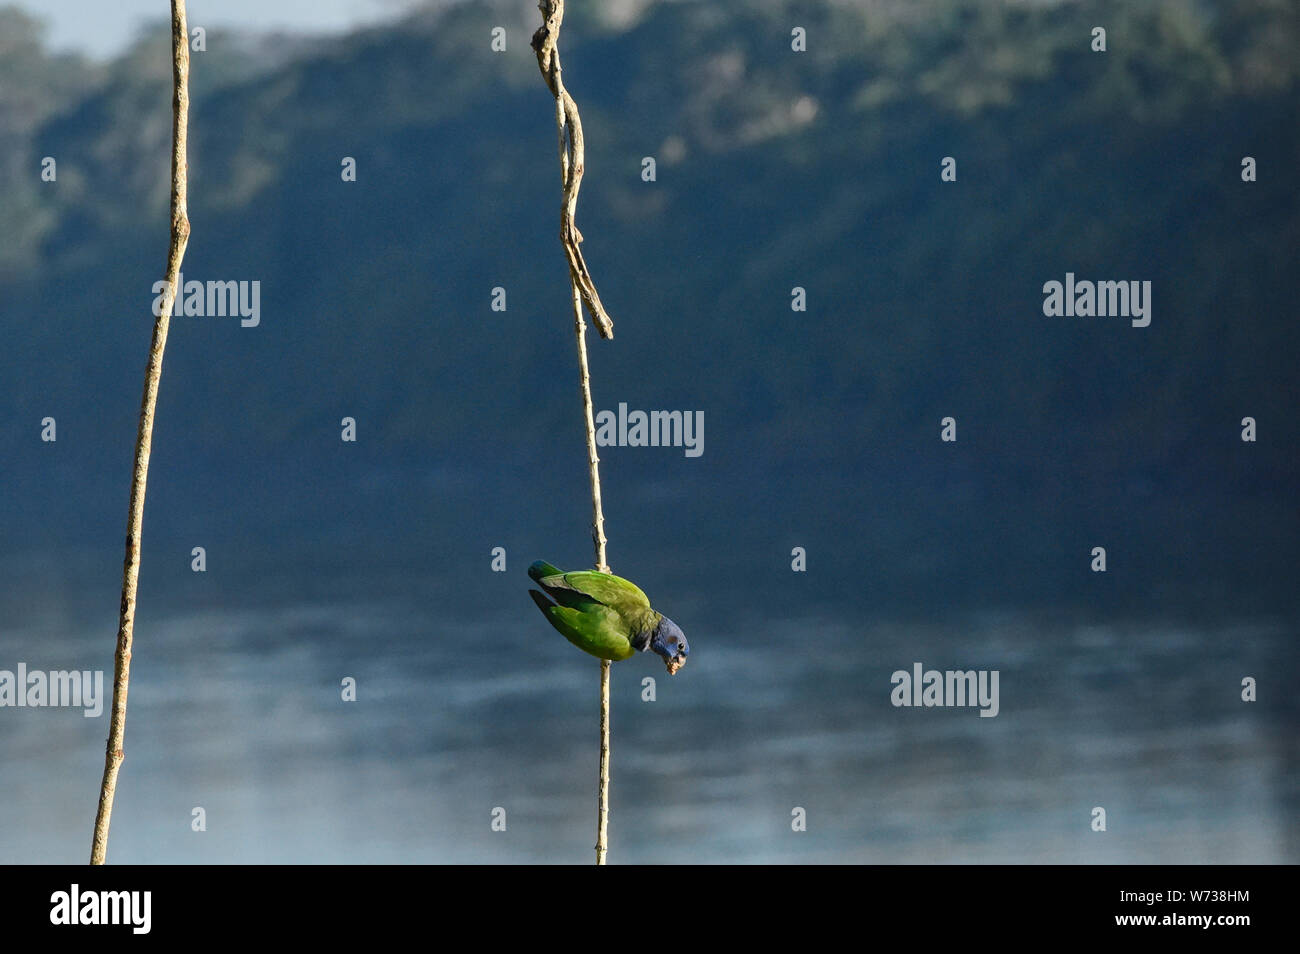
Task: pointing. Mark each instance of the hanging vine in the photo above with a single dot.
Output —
(572, 163)
(180, 235)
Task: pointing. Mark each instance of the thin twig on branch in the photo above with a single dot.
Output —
(180, 234)
(572, 159)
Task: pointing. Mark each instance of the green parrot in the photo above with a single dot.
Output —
(606, 615)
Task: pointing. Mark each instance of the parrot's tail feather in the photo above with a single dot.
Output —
(542, 602)
(542, 569)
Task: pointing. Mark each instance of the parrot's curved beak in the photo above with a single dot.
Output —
(676, 663)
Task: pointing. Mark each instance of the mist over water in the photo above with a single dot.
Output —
(239, 712)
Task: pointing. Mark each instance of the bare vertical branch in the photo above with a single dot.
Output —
(569, 126)
(602, 788)
(598, 539)
(180, 234)
(593, 460)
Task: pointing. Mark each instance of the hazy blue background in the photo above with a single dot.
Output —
(776, 169)
(105, 29)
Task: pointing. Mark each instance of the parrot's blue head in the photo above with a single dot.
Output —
(669, 641)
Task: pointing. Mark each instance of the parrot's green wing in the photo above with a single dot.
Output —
(596, 629)
(622, 596)
(599, 613)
